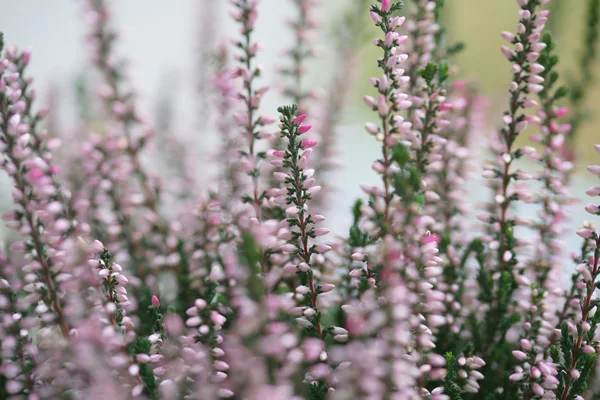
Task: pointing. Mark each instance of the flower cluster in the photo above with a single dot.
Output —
(118, 288)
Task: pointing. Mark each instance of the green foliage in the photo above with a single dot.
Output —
(358, 237)
(428, 72)
(456, 48)
(401, 154)
(451, 388)
(356, 213)
(407, 183)
(158, 325)
(443, 72)
(143, 346)
(1, 41)
(317, 392)
(250, 256)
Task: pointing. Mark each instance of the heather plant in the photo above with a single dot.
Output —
(117, 285)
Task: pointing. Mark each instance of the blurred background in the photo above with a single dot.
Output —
(168, 45)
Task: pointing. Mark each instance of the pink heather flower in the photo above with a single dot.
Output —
(327, 287)
(383, 106)
(431, 238)
(217, 318)
(508, 36)
(97, 246)
(592, 209)
(323, 248)
(376, 18)
(307, 144)
(155, 302)
(299, 119)
(593, 191)
(534, 88)
(507, 52)
(304, 128)
(142, 358)
(561, 112)
(517, 377)
(585, 233)
(594, 169)
(587, 349)
(372, 128)
(385, 5)
(321, 231)
(318, 218)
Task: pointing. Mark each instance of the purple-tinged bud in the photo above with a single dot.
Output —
(517, 377)
(592, 209)
(323, 248)
(533, 88)
(318, 218)
(288, 248)
(585, 272)
(507, 52)
(327, 287)
(304, 128)
(376, 18)
(217, 318)
(537, 68)
(587, 349)
(299, 119)
(97, 246)
(307, 144)
(142, 358)
(594, 169)
(321, 231)
(521, 126)
(585, 233)
(280, 176)
(508, 36)
(526, 344)
(383, 107)
(370, 101)
(341, 338)
(372, 128)
(304, 267)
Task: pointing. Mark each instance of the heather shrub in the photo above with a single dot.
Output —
(120, 282)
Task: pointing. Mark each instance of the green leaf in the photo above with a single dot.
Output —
(317, 392)
(250, 255)
(428, 73)
(401, 154)
(555, 353)
(451, 388)
(356, 212)
(456, 48)
(415, 179)
(561, 92)
(443, 72)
